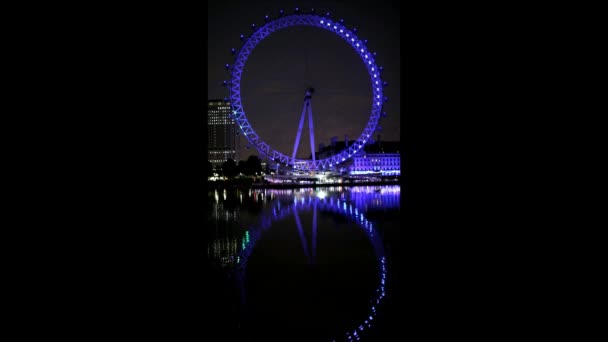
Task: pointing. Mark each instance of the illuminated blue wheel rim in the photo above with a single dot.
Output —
(343, 208)
(236, 72)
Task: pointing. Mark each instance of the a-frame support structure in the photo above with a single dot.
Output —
(307, 108)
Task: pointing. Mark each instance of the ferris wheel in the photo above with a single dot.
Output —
(238, 110)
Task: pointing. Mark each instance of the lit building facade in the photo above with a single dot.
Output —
(223, 141)
(380, 157)
(388, 164)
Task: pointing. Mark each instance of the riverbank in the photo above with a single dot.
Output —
(251, 185)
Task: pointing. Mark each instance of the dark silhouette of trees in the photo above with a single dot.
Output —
(254, 165)
(249, 167)
(209, 169)
(229, 168)
(242, 168)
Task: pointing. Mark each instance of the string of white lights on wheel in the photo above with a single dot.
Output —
(313, 20)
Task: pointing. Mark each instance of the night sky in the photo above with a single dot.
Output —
(282, 66)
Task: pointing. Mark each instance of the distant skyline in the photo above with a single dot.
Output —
(287, 62)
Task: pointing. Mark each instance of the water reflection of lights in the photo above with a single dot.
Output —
(313, 203)
(387, 197)
(223, 250)
(351, 202)
(362, 197)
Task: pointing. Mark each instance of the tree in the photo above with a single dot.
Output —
(229, 168)
(241, 167)
(254, 165)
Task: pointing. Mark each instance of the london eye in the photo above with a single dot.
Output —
(350, 37)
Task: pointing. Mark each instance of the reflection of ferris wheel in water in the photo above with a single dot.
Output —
(331, 205)
(238, 112)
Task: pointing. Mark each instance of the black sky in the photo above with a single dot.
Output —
(284, 64)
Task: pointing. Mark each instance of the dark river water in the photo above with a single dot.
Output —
(306, 264)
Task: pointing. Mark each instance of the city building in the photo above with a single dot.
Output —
(387, 164)
(264, 164)
(223, 141)
(380, 157)
(333, 148)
